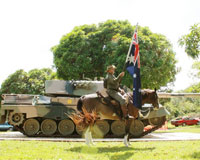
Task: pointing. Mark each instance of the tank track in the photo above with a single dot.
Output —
(152, 129)
(76, 135)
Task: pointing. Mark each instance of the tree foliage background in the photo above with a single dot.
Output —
(191, 41)
(22, 82)
(88, 49)
(189, 106)
(186, 106)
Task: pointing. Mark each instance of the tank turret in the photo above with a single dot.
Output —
(72, 88)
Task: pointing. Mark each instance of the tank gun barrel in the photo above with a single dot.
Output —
(174, 95)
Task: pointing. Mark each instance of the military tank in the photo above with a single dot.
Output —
(48, 115)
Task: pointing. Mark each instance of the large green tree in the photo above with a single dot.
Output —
(22, 82)
(186, 106)
(191, 41)
(88, 49)
(195, 73)
(183, 106)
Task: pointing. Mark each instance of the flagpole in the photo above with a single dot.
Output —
(130, 47)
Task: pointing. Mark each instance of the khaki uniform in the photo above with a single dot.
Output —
(113, 88)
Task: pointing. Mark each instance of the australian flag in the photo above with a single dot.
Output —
(133, 67)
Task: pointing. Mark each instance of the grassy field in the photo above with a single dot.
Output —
(173, 150)
(177, 150)
(190, 129)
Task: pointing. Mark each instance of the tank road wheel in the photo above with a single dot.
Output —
(100, 129)
(66, 127)
(157, 121)
(15, 119)
(136, 128)
(48, 127)
(31, 127)
(118, 128)
(80, 130)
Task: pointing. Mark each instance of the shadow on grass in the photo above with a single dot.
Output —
(195, 155)
(124, 156)
(107, 149)
(113, 153)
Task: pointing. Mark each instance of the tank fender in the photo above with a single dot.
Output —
(2, 119)
(2, 116)
(80, 103)
(162, 111)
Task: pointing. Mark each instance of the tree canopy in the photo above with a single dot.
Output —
(183, 106)
(186, 106)
(195, 73)
(88, 49)
(22, 82)
(191, 41)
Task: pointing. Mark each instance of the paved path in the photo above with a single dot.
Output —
(151, 137)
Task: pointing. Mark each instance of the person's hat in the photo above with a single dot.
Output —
(110, 67)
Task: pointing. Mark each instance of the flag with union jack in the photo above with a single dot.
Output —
(133, 67)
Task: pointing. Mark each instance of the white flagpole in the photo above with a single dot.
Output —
(131, 43)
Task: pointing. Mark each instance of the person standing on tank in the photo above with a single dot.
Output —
(113, 89)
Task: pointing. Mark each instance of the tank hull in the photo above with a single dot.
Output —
(54, 113)
(37, 115)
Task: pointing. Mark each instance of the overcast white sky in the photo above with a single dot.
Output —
(29, 28)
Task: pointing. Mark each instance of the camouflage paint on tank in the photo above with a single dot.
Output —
(46, 107)
(73, 88)
(56, 107)
(60, 101)
(160, 112)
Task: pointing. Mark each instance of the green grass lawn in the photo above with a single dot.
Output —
(190, 129)
(162, 150)
(176, 150)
